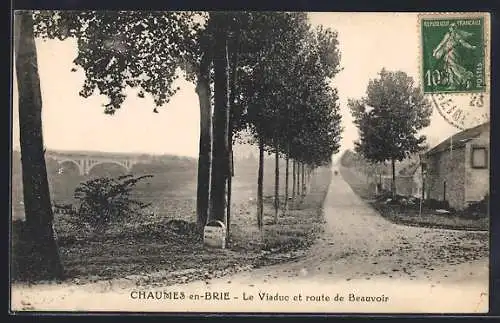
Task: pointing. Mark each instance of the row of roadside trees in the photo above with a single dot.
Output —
(267, 73)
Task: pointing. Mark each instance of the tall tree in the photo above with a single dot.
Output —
(200, 61)
(205, 142)
(45, 260)
(234, 113)
(389, 119)
(221, 117)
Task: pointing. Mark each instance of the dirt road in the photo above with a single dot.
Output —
(394, 268)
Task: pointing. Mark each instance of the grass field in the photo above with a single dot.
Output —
(411, 216)
(162, 247)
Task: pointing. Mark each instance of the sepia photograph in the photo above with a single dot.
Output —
(250, 162)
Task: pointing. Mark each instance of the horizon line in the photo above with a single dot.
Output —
(47, 149)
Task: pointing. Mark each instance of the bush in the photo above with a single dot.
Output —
(104, 200)
(386, 196)
(435, 204)
(412, 202)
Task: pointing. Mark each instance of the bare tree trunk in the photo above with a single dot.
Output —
(380, 181)
(232, 120)
(293, 179)
(287, 163)
(276, 182)
(260, 185)
(298, 179)
(393, 183)
(205, 145)
(308, 177)
(423, 188)
(45, 262)
(229, 191)
(221, 114)
(229, 178)
(303, 179)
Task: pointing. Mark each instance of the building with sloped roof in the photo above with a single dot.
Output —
(457, 169)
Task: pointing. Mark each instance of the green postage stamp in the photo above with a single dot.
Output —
(453, 54)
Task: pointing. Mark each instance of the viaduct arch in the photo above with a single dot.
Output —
(86, 162)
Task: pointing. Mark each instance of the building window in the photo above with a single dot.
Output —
(479, 158)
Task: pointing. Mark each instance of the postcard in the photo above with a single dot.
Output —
(250, 162)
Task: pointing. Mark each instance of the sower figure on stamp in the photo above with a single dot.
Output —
(448, 50)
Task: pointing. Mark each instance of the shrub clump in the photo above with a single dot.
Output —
(105, 200)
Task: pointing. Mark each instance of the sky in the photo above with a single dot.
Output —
(368, 42)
